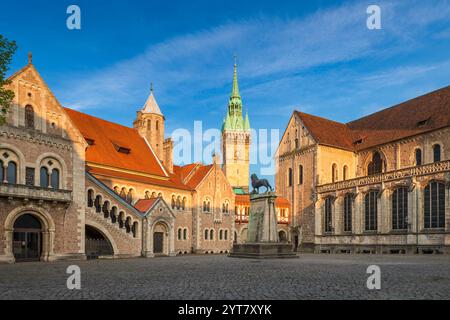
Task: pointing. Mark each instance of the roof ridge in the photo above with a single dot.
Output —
(398, 105)
(320, 117)
(98, 118)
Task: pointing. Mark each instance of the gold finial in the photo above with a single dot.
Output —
(235, 60)
(30, 58)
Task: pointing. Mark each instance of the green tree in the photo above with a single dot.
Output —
(7, 50)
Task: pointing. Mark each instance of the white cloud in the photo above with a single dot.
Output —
(193, 71)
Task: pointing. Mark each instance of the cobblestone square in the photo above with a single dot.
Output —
(221, 277)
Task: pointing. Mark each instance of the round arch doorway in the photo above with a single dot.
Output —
(27, 238)
(160, 239)
(97, 245)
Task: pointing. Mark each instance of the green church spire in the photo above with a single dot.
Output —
(235, 102)
(234, 119)
(247, 122)
(235, 92)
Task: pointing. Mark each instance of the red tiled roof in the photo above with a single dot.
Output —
(200, 172)
(184, 171)
(143, 205)
(419, 115)
(326, 131)
(107, 137)
(172, 182)
(404, 119)
(244, 199)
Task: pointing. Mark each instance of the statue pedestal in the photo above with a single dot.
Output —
(262, 237)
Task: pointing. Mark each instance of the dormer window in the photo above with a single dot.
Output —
(423, 122)
(122, 149)
(359, 141)
(90, 141)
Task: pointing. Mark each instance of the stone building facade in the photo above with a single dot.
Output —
(73, 186)
(379, 184)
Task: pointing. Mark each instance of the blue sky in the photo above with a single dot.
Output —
(314, 56)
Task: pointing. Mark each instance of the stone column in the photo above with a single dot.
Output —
(447, 215)
(171, 237)
(149, 250)
(144, 232)
(385, 211)
(359, 213)
(338, 216)
(262, 225)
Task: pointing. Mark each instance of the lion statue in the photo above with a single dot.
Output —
(257, 183)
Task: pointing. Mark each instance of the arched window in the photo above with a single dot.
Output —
(149, 124)
(29, 117)
(185, 234)
(90, 198)
(12, 172)
(172, 203)
(183, 203)
(129, 198)
(436, 153)
(348, 200)
(134, 229)
(178, 203)
(105, 209)
(128, 225)
(44, 183)
(123, 193)
(434, 205)
(220, 234)
(113, 214)
(55, 179)
(179, 233)
(370, 210)
(98, 204)
(328, 215)
(211, 234)
(400, 209)
(226, 234)
(290, 177)
(206, 234)
(157, 125)
(345, 173)
(334, 173)
(376, 165)
(418, 156)
(1, 171)
(121, 219)
(147, 195)
(300, 174)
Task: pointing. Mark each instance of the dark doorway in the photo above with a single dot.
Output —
(295, 242)
(282, 236)
(158, 242)
(27, 238)
(97, 245)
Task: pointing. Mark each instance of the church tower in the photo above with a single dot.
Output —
(150, 125)
(236, 139)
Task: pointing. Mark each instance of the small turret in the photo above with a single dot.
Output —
(150, 125)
